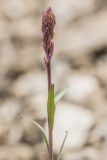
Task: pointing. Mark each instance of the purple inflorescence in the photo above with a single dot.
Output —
(48, 23)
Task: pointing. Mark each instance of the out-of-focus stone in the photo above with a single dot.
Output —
(81, 87)
(37, 106)
(90, 153)
(101, 71)
(7, 56)
(104, 152)
(4, 30)
(4, 84)
(4, 129)
(27, 28)
(84, 37)
(41, 151)
(8, 113)
(15, 133)
(31, 134)
(9, 110)
(31, 83)
(77, 121)
(16, 152)
(28, 57)
(72, 9)
(14, 9)
(60, 69)
(98, 104)
(99, 133)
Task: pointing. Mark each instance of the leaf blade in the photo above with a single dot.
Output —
(60, 151)
(60, 95)
(51, 106)
(38, 126)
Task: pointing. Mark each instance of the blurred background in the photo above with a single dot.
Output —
(79, 63)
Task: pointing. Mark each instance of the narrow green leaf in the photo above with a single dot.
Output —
(51, 106)
(60, 95)
(60, 151)
(37, 125)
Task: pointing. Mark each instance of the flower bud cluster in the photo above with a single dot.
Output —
(48, 24)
